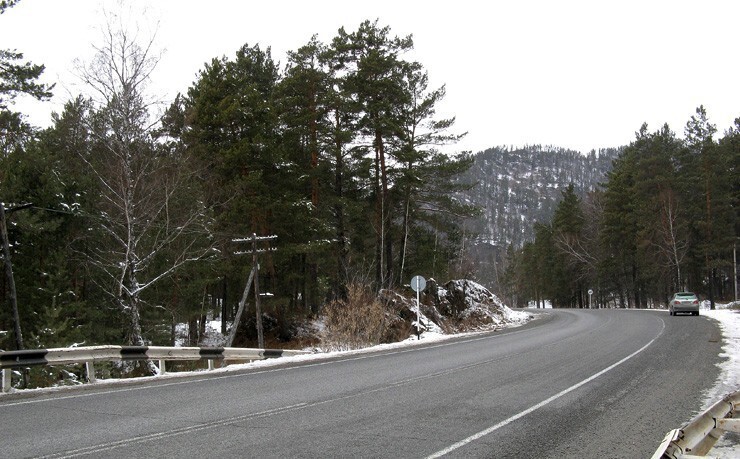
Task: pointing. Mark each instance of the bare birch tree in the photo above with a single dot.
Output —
(671, 241)
(149, 212)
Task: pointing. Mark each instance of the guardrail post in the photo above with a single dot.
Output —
(7, 380)
(162, 369)
(211, 366)
(90, 370)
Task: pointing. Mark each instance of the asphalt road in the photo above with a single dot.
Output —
(579, 384)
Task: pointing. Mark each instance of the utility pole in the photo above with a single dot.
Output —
(257, 306)
(253, 277)
(13, 296)
(734, 264)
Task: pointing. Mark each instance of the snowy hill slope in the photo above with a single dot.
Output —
(457, 306)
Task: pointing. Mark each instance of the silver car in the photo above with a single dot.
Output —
(684, 302)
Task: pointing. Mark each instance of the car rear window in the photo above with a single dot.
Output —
(686, 295)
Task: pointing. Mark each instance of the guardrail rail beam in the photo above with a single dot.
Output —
(698, 437)
(10, 360)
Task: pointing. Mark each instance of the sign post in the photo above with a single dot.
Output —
(418, 283)
(590, 292)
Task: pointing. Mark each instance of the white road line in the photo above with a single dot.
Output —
(529, 410)
(158, 435)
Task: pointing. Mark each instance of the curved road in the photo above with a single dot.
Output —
(573, 383)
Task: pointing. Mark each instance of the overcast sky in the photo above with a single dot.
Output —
(574, 74)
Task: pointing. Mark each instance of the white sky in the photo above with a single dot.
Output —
(575, 74)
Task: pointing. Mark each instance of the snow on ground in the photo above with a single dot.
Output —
(729, 381)
(729, 322)
(546, 305)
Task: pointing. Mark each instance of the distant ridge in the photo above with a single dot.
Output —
(518, 187)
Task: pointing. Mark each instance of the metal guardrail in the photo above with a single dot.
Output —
(698, 437)
(89, 355)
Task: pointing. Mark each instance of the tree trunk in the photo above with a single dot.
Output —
(708, 259)
(226, 313)
(313, 268)
(379, 221)
(12, 295)
(386, 247)
(136, 336)
(193, 332)
(405, 235)
(340, 289)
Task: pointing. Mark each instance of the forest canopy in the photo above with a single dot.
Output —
(665, 220)
(133, 218)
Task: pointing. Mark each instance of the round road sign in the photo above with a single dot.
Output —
(418, 283)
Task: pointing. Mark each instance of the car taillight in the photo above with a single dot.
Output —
(696, 301)
(676, 302)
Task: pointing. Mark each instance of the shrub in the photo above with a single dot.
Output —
(361, 320)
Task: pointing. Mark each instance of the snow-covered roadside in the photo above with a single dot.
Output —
(729, 381)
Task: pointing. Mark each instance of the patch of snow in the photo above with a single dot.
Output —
(426, 325)
(729, 381)
(464, 305)
(729, 322)
(533, 304)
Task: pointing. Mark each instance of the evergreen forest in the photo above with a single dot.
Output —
(324, 172)
(664, 219)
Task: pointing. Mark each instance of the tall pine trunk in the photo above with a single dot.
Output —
(708, 256)
(379, 222)
(404, 236)
(386, 246)
(312, 297)
(342, 251)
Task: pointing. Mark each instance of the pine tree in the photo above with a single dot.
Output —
(16, 77)
(619, 232)
(427, 180)
(660, 214)
(567, 225)
(348, 167)
(709, 165)
(304, 104)
(370, 58)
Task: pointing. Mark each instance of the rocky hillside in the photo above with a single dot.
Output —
(516, 188)
(456, 307)
(519, 187)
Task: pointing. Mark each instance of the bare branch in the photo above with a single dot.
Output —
(152, 226)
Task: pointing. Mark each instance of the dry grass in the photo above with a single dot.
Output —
(361, 321)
